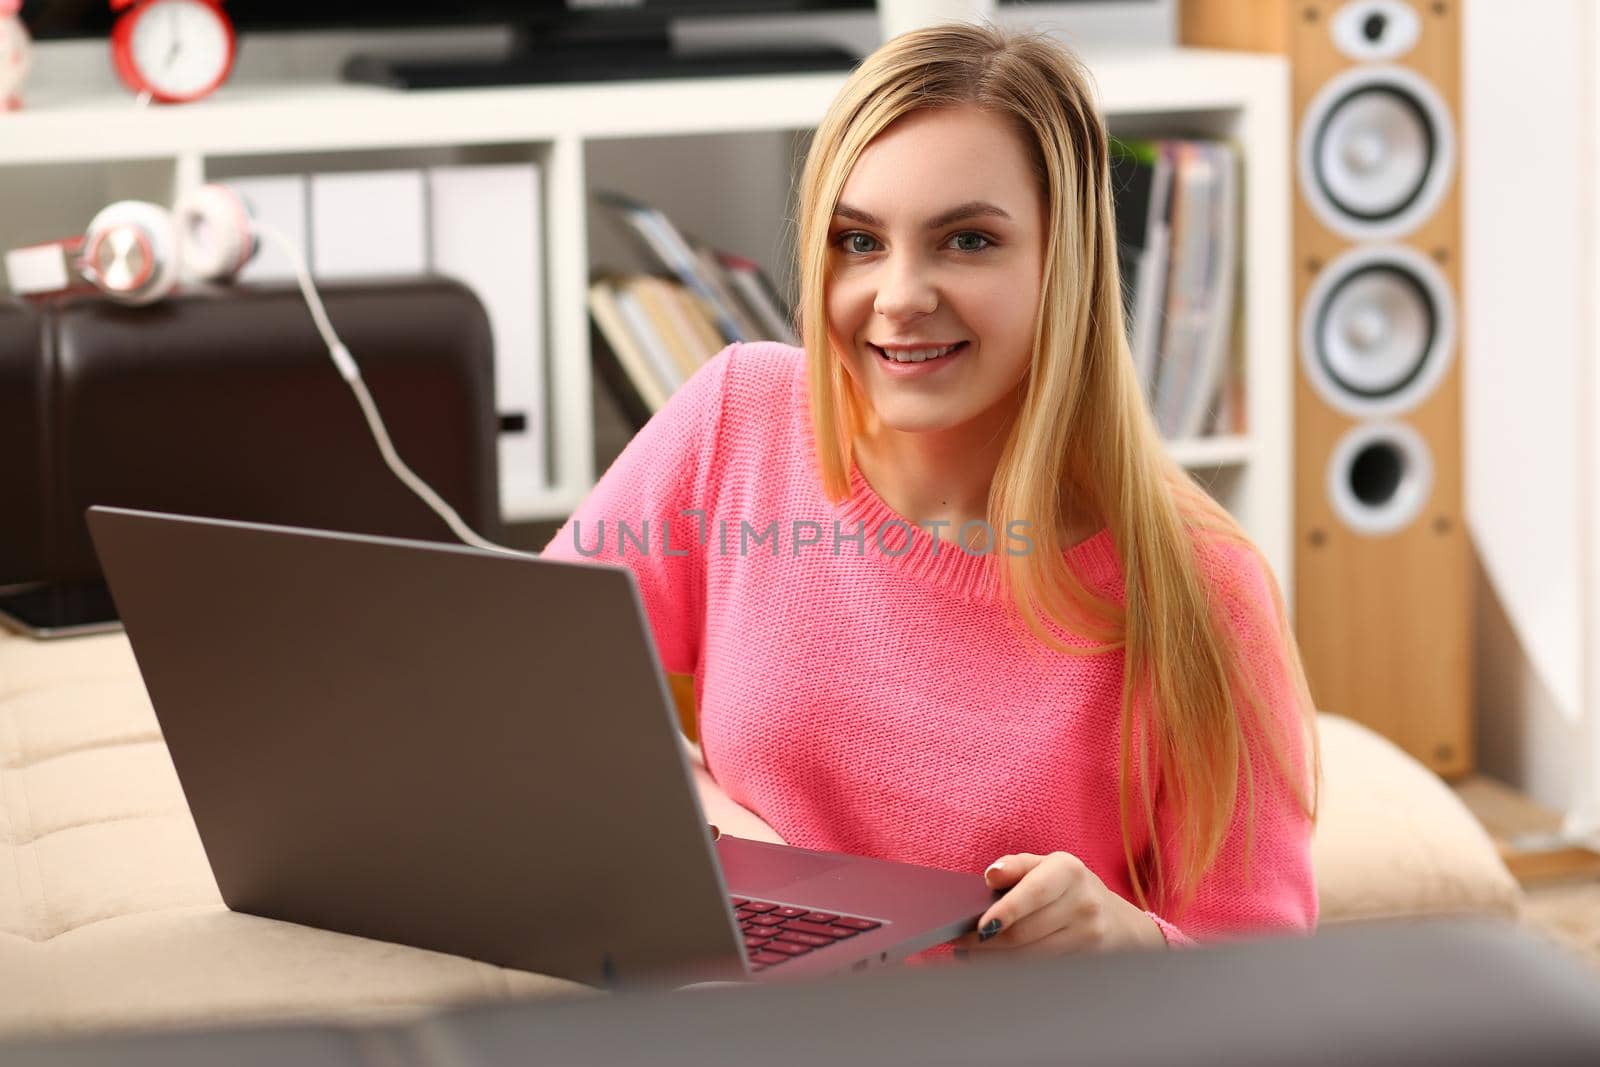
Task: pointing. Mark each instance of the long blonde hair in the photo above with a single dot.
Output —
(1084, 434)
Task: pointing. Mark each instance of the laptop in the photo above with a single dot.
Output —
(474, 753)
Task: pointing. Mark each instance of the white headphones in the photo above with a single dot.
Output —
(137, 252)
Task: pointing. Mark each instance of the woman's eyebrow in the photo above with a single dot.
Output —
(971, 209)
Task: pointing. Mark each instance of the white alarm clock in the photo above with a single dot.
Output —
(175, 50)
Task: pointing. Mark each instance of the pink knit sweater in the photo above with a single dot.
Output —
(866, 694)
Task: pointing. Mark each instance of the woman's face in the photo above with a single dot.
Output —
(938, 241)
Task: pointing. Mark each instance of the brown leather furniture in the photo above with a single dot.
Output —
(225, 403)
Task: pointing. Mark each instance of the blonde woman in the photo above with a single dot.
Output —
(944, 596)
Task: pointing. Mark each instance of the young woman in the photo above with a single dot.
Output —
(944, 596)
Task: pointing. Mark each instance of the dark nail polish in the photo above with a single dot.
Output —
(990, 928)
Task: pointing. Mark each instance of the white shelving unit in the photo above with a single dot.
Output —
(106, 147)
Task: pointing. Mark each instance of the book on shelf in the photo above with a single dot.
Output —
(658, 357)
(652, 334)
(668, 324)
(1183, 320)
(1228, 414)
(743, 303)
(620, 357)
(762, 300)
(665, 244)
(701, 320)
(617, 374)
(1214, 378)
(725, 300)
(1177, 204)
(1142, 182)
(1199, 332)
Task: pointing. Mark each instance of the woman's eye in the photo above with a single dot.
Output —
(856, 242)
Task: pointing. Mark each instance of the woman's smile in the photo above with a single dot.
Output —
(902, 362)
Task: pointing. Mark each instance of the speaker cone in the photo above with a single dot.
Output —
(1377, 331)
(1376, 152)
(1379, 477)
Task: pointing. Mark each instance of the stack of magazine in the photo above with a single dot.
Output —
(654, 329)
(1177, 204)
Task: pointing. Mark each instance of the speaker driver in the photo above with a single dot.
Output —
(1379, 477)
(1377, 331)
(1376, 152)
(1373, 30)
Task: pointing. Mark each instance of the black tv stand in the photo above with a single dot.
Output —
(563, 57)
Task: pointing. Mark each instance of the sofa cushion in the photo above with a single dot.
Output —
(1394, 840)
(109, 915)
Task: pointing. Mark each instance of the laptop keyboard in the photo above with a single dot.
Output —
(776, 933)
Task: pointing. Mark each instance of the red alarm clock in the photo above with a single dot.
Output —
(175, 50)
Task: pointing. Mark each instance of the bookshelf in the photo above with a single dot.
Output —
(67, 154)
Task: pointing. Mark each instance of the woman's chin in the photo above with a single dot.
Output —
(920, 419)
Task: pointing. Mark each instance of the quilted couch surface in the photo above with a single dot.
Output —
(109, 915)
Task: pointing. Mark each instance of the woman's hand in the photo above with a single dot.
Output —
(1056, 905)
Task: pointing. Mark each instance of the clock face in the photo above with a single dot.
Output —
(181, 48)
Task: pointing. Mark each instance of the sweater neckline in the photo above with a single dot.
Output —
(943, 562)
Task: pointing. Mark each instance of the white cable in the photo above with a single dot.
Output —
(352, 375)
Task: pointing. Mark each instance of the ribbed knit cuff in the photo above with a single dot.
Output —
(1176, 938)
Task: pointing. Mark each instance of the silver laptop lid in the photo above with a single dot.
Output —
(494, 732)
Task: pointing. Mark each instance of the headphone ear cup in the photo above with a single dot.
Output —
(130, 252)
(216, 232)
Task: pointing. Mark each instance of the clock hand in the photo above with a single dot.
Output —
(177, 37)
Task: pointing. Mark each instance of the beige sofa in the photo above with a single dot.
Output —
(109, 916)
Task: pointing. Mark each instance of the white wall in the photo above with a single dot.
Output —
(1585, 815)
(1530, 303)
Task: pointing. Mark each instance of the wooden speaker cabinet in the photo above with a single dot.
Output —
(1382, 560)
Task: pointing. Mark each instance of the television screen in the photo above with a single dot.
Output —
(93, 18)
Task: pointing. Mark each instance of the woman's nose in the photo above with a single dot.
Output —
(904, 291)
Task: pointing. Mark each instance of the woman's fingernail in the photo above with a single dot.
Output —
(997, 865)
(990, 928)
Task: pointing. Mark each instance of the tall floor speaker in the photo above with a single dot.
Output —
(1382, 562)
